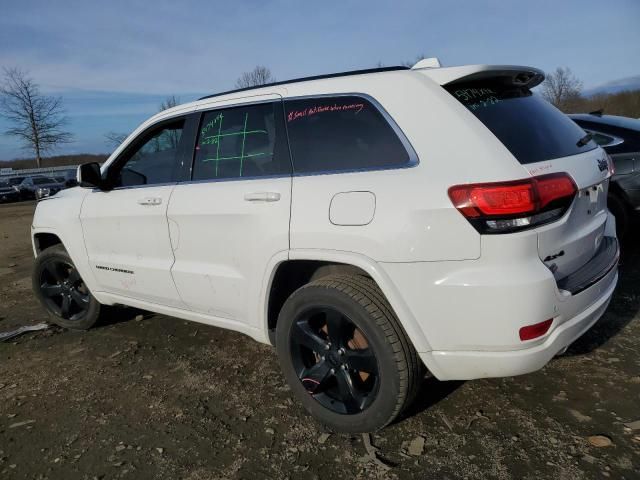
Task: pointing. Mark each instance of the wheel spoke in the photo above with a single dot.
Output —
(338, 328)
(348, 394)
(304, 335)
(361, 360)
(80, 299)
(49, 290)
(315, 377)
(66, 304)
(74, 276)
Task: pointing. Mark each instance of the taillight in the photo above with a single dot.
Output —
(509, 206)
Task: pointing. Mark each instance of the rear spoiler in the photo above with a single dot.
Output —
(513, 74)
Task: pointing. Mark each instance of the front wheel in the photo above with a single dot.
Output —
(345, 355)
(62, 292)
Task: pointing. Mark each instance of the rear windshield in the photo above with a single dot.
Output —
(532, 129)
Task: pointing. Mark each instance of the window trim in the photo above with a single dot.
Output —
(413, 156)
(199, 116)
(142, 138)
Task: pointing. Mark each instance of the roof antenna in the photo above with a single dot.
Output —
(432, 62)
(597, 113)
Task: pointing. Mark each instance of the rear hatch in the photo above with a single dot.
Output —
(544, 141)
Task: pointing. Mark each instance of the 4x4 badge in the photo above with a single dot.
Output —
(603, 164)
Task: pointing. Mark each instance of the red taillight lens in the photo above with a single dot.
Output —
(508, 206)
(493, 199)
(534, 331)
(553, 187)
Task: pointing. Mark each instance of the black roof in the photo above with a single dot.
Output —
(316, 77)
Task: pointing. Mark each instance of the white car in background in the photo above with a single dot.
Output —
(368, 224)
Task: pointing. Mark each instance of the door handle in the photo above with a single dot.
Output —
(262, 197)
(150, 201)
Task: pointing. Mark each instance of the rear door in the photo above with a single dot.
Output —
(544, 141)
(232, 219)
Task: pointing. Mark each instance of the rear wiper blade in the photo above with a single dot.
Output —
(584, 140)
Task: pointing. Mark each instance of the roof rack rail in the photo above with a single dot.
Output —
(306, 79)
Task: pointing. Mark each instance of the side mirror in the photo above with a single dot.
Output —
(89, 175)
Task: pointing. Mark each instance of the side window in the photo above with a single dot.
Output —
(153, 161)
(329, 134)
(241, 142)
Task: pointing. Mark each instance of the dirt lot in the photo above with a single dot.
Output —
(155, 397)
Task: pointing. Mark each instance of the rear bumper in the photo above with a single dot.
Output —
(470, 365)
(470, 312)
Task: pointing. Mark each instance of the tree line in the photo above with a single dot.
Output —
(39, 123)
(564, 90)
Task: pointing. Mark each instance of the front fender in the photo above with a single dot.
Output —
(60, 216)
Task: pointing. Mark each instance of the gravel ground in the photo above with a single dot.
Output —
(146, 396)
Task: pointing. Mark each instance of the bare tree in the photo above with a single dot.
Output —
(36, 119)
(168, 103)
(115, 138)
(562, 88)
(258, 76)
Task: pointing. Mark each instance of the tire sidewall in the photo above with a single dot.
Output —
(382, 408)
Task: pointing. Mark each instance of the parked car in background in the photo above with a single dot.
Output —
(620, 137)
(39, 187)
(8, 193)
(15, 181)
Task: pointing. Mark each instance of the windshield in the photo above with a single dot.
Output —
(532, 129)
(16, 181)
(43, 180)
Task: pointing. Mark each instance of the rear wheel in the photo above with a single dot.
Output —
(345, 355)
(62, 292)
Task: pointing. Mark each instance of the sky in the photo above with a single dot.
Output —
(114, 61)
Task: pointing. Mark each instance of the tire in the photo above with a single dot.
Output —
(619, 210)
(62, 292)
(313, 367)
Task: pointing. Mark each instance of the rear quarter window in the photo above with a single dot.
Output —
(532, 129)
(342, 133)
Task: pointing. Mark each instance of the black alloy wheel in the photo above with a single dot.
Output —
(333, 360)
(62, 291)
(345, 355)
(65, 293)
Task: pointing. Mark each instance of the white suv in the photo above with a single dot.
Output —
(367, 224)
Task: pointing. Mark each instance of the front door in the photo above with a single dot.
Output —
(125, 229)
(233, 217)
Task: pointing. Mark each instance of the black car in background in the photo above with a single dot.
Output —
(8, 193)
(39, 187)
(620, 137)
